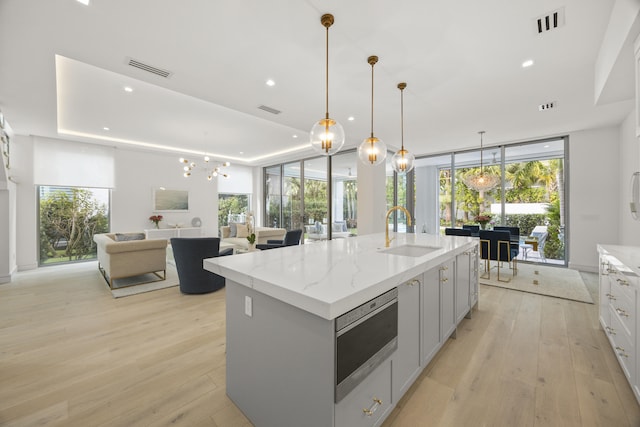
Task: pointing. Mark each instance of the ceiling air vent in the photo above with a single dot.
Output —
(148, 68)
(547, 106)
(269, 109)
(550, 21)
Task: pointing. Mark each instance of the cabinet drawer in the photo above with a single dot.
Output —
(622, 284)
(369, 402)
(624, 310)
(623, 347)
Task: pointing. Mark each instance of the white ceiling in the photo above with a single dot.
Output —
(63, 67)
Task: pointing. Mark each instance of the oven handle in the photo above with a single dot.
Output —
(365, 317)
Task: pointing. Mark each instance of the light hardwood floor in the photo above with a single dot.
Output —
(71, 355)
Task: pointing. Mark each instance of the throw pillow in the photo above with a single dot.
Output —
(336, 227)
(242, 230)
(233, 229)
(121, 237)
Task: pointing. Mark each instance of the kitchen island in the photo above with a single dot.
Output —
(281, 311)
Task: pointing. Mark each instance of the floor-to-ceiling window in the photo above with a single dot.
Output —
(530, 193)
(273, 196)
(344, 194)
(300, 195)
(292, 197)
(232, 208)
(68, 219)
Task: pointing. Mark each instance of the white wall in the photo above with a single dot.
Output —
(594, 199)
(136, 174)
(629, 232)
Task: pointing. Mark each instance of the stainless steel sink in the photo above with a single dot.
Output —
(410, 250)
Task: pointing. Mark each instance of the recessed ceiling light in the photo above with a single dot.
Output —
(527, 63)
(271, 83)
(546, 146)
(128, 89)
(351, 118)
(84, 2)
(295, 136)
(242, 152)
(105, 128)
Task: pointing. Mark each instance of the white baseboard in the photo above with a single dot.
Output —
(585, 268)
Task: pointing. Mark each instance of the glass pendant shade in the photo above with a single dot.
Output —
(372, 151)
(327, 137)
(402, 162)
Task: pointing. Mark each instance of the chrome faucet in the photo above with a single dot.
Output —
(386, 223)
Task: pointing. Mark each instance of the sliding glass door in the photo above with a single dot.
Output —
(529, 192)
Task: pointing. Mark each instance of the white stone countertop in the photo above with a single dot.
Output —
(329, 278)
(629, 257)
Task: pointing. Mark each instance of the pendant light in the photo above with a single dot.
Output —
(327, 135)
(482, 181)
(403, 160)
(372, 150)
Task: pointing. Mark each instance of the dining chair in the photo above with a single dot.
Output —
(495, 245)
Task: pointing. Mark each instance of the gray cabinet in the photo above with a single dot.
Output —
(430, 337)
(369, 403)
(466, 283)
(447, 293)
(463, 284)
(406, 359)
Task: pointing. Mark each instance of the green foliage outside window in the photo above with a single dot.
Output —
(69, 218)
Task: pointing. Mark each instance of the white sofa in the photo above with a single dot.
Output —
(262, 235)
(119, 259)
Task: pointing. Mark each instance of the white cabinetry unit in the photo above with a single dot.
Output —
(618, 312)
(167, 233)
(406, 360)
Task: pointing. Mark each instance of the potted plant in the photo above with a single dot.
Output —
(251, 237)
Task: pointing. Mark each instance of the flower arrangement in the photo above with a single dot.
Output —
(483, 220)
(251, 237)
(156, 219)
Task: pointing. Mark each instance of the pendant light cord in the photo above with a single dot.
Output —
(402, 120)
(481, 168)
(372, 102)
(327, 72)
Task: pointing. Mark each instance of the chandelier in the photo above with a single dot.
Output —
(327, 135)
(403, 160)
(372, 150)
(211, 169)
(481, 181)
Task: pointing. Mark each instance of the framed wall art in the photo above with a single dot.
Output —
(165, 200)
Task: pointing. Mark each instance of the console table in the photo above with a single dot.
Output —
(167, 233)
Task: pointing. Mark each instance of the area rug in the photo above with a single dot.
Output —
(127, 287)
(538, 279)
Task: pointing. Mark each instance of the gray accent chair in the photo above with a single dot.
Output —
(189, 252)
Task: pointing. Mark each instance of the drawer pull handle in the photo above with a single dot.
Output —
(413, 282)
(622, 351)
(611, 331)
(611, 297)
(622, 282)
(376, 403)
(445, 279)
(621, 312)
(444, 268)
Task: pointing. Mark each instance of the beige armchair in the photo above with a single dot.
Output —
(120, 259)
